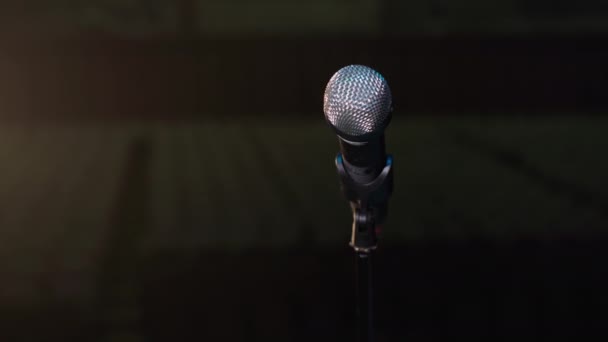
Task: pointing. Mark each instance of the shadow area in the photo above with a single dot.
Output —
(425, 291)
(578, 195)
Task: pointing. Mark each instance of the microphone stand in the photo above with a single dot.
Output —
(364, 295)
(369, 206)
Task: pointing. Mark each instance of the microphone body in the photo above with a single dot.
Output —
(358, 106)
(363, 161)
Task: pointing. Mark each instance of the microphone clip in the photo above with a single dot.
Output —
(369, 204)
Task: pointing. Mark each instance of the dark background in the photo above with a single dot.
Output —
(166, 173)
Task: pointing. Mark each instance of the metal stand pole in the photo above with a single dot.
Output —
(369, 207)
(365, 307)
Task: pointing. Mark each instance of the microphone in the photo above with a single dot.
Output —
(358, 106)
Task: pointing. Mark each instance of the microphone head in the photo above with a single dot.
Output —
(357, 103)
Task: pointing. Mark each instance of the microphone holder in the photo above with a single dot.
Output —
(369, 207)
(368, 203)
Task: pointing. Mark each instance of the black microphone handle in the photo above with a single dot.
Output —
(364, 161)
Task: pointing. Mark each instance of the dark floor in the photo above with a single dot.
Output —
(428, 291)
(508, 291)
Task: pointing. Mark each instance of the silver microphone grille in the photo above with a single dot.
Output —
(357, 101)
